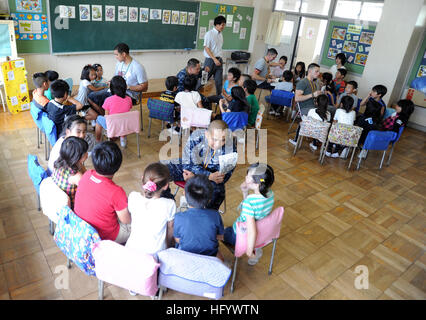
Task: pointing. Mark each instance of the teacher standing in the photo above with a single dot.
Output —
(213, 43)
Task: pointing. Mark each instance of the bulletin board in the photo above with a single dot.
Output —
(353, 40)
(236, 35)
(419, 67)
(31, 25)
(16, 85)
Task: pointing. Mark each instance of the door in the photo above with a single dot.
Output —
(288, 39)
(7, 40)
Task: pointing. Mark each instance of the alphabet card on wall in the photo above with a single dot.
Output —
(16, 85)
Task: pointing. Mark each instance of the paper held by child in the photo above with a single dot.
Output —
(227, 162)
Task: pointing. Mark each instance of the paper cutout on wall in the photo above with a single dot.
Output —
(29, 6)
(30, 26)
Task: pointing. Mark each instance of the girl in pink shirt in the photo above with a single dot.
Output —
(117, 103)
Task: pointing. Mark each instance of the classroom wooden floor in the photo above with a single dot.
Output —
(334, 221)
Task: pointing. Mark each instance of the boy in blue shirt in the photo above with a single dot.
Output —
(197, 229)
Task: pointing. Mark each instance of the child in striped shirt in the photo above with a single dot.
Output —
(255, 206)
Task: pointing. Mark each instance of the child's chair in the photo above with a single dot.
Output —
(192, 273)
(36, 114)
(52, 199)
(139, 102)
(258, 124)
(268, 231)
(123, 124)
(393, 144)
(345, 135)
(37, 175)
(160, 110)
(312, 128)
(76, 238)
(378, 140)
(125, 267)
(358, 105)
(70, 84)
(235, 120)
(281, 98)
(194, 117)
(50, 134)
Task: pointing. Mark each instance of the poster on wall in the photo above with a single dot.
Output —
(16, 86)
(30, 26)
(33, 6)
(421, 72)
(338, 33)
(109, 13)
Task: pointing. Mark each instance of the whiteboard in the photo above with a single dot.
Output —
(7, 40)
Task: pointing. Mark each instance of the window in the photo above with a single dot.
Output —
(287, 32)
(362, 10)
(316, 6)
(287, 5)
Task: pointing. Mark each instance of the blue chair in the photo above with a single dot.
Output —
(281, 98)
(36, 114)
(50, 134)
(378, 140)
(358, 105)
(160, 110)
(70, 83)
(235, 120)
(37, 174)
(393, 144)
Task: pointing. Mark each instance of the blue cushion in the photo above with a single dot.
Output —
(379, 140)
(49, 128)
(235, 120)
(161, 110)
(282, 98)
(36, 172)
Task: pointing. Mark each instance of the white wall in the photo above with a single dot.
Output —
(158, 64)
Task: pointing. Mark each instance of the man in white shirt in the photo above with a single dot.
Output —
(213, 42)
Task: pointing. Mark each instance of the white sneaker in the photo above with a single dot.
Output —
(172, 131)
(132, 293)
(258, 253)
(272, 112)
(335, 155)
(328, 154)
(123, 141)
(292, 142)
(344, 153)
(313, 147)
(362, 154)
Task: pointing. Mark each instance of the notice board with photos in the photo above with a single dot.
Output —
(31, 25)
(351, 39)
(236, 35)
(98, 25)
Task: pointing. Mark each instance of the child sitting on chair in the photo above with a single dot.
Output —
(41, 85)
(238, 103)
(255, 206)
(99, 82)
(250, 87)
(169, 96)
(117, 103)
(197, 229)
(152, 215)
(285, 85)
(404, 108)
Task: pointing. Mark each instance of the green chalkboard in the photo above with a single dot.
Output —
(92, 36)
(231, 41)
(351, 39)
(30, 45)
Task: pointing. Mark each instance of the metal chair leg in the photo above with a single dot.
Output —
(149, 128)
(289, 129)
(234, 272)
(45, 148)
(297, 144)
(359, 162)
(100, 290)
(324, 151)
(38, 202)
(177, 189)
(51, 229)
(68, 263)
(352, 157)
(138, 143)
(160, 294)
(272, 257)
(38, 138)
(383, 158)
(140, 102)
(390, 155)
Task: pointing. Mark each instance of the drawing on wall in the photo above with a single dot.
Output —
(243, 32)
(122, 13)
(366, 38)
(350, 46)
(155, 14)
(67, 12)
(236, 27)
(96, 13)
(84, 12)
(109, 13)
(338, 33)
(191, 18)
(332, 53)
(360, 59)
(175, 17)
(422, 71)
(29, 6)
(133, 14)
(30, 26)
(166, 16)
(144, 14)
(182, 18)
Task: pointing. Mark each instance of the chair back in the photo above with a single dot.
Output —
(123, 124)
(76, 238)
(282, 98)
(358, 105)
(52, 199)
(259, 117)
(399, 135)
(313, 128)
(49, 128)
(195, 117)
(70, 83)
(36, 172)
(36, 114)
(267, 228)
(192, 273)
(125, 267)
(379, 140)
(345, 134)
(161, 110)
(235, 120)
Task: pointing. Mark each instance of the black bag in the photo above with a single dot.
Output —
(240, 55)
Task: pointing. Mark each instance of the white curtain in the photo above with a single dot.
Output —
(275, 26)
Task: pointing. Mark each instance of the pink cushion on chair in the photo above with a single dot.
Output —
(180, 184)
(267, 229)
(125, 267)
(122, 124)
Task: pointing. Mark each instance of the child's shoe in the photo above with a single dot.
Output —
(123, 142)
(344, 153)
(132, 293)
(313, 147)
(292, 142)
(335, 155)
(258, 253)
